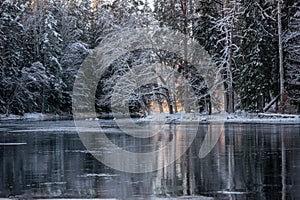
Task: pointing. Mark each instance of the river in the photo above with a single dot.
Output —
(48, 159)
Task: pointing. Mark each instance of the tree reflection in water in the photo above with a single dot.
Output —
(249, 161)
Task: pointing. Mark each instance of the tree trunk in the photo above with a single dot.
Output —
(228, 95)
(227, 68)
(161, 109)
(185, 32)
(281, 70)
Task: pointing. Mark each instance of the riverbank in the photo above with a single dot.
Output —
(35, 116)
(242, 117)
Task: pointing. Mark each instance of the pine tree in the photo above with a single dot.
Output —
(33, 80)
(52, 50)
(291, 41)
(257, 72)
(11, 57)
(71, 61)
(208, 13)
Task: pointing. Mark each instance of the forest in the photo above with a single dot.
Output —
(255, 45)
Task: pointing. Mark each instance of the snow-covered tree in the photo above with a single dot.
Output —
(11, 52)
(53, 38)
(52, 51)
(74, 22)
(206, 16)
(291, 41)
(71, 61)
(22, 91)
(32, 81)
(146, 77)
(43, 26)
(225, 58)
(11, 35)
(180, 15)
(257, 70)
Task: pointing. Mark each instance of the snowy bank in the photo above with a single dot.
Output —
(33, 116)
(177, 118)
(242, 117)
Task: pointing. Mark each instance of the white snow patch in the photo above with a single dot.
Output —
(28, 116)
(176, 118)
(241, 117)
(13, 144)
(10, 117)
(255, 118)
(37, 116)
(155, 117)
(98, 175)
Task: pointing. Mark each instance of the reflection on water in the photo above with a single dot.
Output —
(248, 161)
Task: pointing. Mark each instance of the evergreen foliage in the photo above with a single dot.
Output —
(44, 42)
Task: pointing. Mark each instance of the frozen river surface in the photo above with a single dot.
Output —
(248, 161)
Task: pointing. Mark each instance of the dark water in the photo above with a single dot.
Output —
(249, 161)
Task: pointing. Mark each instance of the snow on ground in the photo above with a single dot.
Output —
(261, 118)
(30, 116)
(224, 117)
(10, 117)
(177, 118)
(34, 116)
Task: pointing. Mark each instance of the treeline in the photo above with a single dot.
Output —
(242, 36)
(44, 42)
